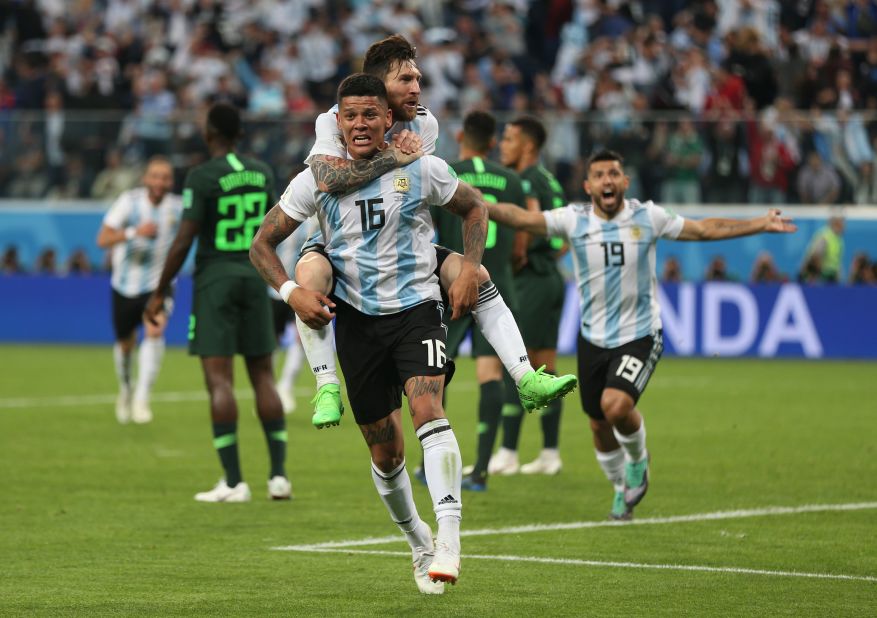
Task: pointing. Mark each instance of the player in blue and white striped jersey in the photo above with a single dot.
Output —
(139, 229)
(612, 241)
(414, 127)
(387, 301)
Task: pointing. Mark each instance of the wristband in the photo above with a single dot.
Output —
(130, 233)
(286, 289)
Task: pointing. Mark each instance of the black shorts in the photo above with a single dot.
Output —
(378, 354)
(128, 312)
(281, 314)
(627, 368)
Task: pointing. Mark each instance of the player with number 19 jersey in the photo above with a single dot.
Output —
(614, 262)
(379, 237)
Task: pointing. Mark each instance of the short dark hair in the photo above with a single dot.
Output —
(380, 56)
(604, 155)
(479, 129)
(533, 128)
(362, 85)
(225, 120)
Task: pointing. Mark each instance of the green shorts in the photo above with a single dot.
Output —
(540, 305)
(231, 315)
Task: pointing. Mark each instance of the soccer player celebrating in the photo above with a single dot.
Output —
(613, 249)
(139, 228)
(224, 201)
(393, 61)
(387, 299)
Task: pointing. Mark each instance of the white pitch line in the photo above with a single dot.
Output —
(619, 565)
(578, 525)
(87, 400)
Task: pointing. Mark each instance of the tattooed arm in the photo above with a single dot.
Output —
(716, 228)
(275, 228)
(341, 175)
(468, 204)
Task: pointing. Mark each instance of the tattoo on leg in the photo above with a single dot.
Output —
(380, 434)
(416, 387)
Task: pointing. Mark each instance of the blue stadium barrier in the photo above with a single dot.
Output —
(711, 319)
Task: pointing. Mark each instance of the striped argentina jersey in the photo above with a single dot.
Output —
(137, 263)
(614, 264)
(379, 238)
(330, 141)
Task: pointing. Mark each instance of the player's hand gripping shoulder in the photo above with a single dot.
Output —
(468, 203)
(341, 175)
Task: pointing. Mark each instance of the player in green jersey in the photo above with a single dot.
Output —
(224, 201)
(502, 248)
(540, 291)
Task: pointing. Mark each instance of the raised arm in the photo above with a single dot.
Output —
(532, 221)
(468, 204)
(342, 175)
(716, 228)
(275, 228)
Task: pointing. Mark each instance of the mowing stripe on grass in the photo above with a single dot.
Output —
(577, 525)
(87, 400)
(618, 565)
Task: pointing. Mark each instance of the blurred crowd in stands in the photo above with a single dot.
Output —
(710, 101)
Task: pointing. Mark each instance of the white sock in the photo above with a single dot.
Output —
(612, 464)
(122, 363)
(443, 467)
(148, 365)
(449, 531)
(291, 365)
(497, 324)
(394, 488)
(634, 445)
(319, 347)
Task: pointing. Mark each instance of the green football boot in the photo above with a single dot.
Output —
(620, 511)
(327, 406)
(537, 389)
(636, 481)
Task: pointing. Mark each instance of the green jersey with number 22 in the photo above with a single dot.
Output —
(228, 196)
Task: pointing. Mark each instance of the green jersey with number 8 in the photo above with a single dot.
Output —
(228, 196)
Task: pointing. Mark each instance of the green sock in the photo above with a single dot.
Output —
(275, 433)
(489, 413)
(551, 424)
(512, 414)
(225, 441)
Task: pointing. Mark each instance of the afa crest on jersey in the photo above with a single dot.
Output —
(636, 232)
(401, 184)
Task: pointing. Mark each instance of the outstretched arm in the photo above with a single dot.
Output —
(468, 204)
(341, 175)
(716, 228)
(532, 221)
(186, 234)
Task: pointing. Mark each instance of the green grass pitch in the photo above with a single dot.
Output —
(98, 519)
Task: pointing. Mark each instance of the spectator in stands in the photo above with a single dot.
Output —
(78, 263)
(818, 182)
(770, 164)
(47, 262)
(10, 264)
(717, 270)
(682, 160)
(765, 271)
(672, 272)
(862, 271)
(116, 177)
(725, 182)
(824, 256)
